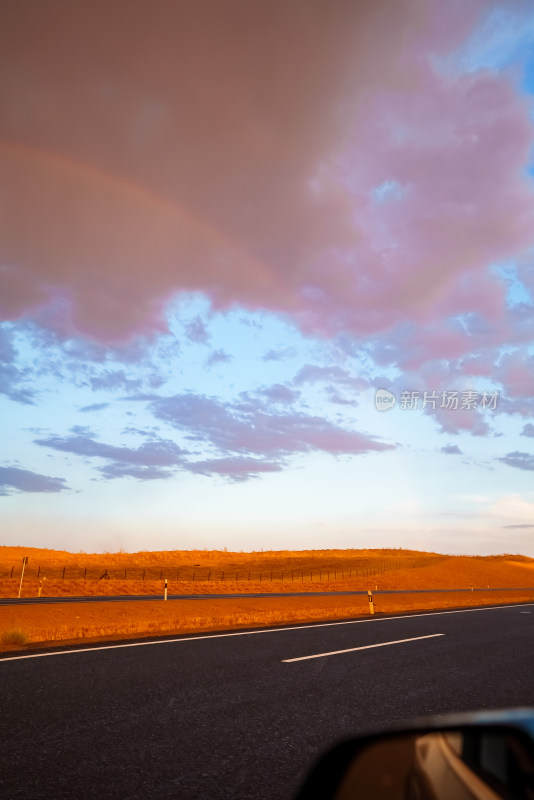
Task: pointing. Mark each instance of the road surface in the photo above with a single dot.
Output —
(13, 601)
(241, 715)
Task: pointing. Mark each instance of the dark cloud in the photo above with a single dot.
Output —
(114, 379)
(519, 460)
(7, 349)
(10, 376)
(277, 393)
(452, 449)
(524, 406)
(280, 354)
(237, 469)
(10, 379)
(256, 431)
(94, 407)
(197, 332)
(521, 525)
(336, 397)
(25, 481)
(116, 470)
(218, 357)
(82, 430)
(310, 373)
(528, 430)
(162, 453)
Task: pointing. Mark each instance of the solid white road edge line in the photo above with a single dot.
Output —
(254, 633)
(365, 647)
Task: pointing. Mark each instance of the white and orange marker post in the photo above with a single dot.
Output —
(371, 605)
(165, 596)
(24, 562)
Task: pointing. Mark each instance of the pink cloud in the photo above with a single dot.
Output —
(222, 152)
(516, 372)
(248, 429)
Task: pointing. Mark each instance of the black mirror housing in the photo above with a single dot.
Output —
(488, 756)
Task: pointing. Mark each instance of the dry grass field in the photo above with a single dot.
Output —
(302, 571)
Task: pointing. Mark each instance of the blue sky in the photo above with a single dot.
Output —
(201, 298)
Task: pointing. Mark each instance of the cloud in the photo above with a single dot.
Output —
(82, 430)
(118, 470)
(256, 431)
(114, 380)
(311, 373)
(237, 469)
(24, 480)
(94, 407)
(528, 429)
(151, 460)
(335, 397)
(7, 348)
(10, 380)
(197, 332)
(511, 509)
(218, 357)
(519, 460)
(452, 449)
(280, 354)
(516, 373)
(246, 183)
(277, 393)
(526, 525)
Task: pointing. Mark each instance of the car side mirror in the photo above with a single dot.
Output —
(452, 759)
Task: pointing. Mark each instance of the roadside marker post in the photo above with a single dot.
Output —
(371, 605)
(40, 588)
(165, 589)
(24, 562)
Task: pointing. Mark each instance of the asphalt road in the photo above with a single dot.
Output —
(13, 601)
(231, 716)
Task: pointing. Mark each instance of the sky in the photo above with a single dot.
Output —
(267, 275)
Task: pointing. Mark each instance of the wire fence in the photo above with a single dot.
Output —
(188, 574)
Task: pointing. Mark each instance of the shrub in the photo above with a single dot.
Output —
(14, 636)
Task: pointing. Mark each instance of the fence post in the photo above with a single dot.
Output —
(24, 562)
(38, 571)
(209, 573)
(84, 573)
(63, 573)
